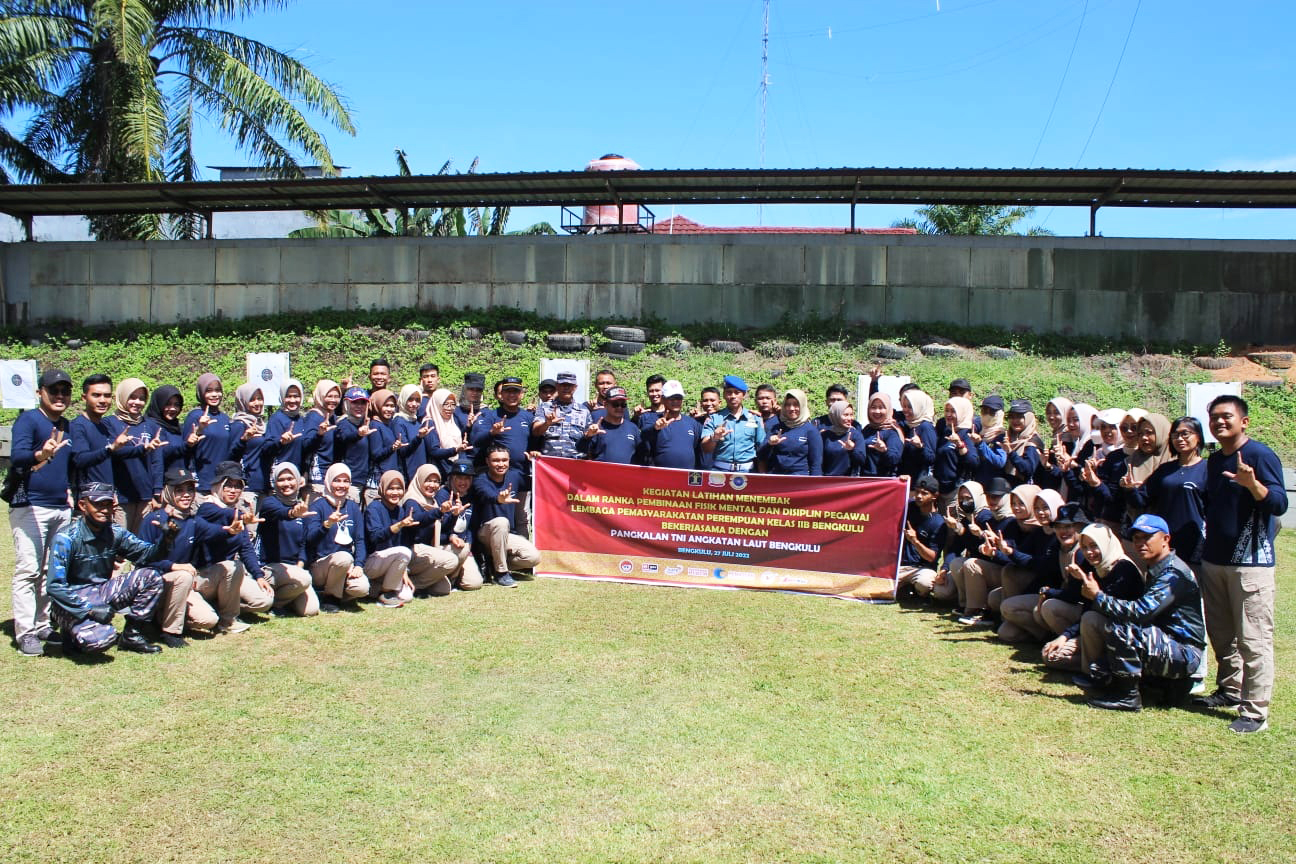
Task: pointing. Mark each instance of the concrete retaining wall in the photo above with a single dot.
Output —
(1190, 290)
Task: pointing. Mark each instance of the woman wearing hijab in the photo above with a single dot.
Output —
(956, 454)
(990, 440)
(1153, 450)
(317, 442)
(1176, 492)
(1080, 629)
(1008, 560)
(281, 542)
(432, 563)
(131, 470)
(966, 523)
(1024, 444)
(883, 446)
(1098, 477)
(387, 562)
(285, 431)
(920, 437)
(207, 436)
(843, 443)
(385, 445)
(248, 425)
(163, 419)
(411, 429)
(181, 603)
(335, 542)
(795, 447)
(1022, 618)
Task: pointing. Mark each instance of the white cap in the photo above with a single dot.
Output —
(672, 388)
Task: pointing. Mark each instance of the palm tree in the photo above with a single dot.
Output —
(422, 222)
(967, 219)
(114, 89)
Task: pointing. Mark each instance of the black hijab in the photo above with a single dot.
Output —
(161, 396)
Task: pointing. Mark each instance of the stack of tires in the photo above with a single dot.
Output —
(624, 341)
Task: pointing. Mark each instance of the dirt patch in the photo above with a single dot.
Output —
(1151, 365)
(1244, 370)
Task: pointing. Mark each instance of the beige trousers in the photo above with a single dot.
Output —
(177, 585)
(291, 584)
(337, 576)
(222, 583)
(508, 551)
(979, 576)
(923, 580)
(1239, 605)
(386, 569)
(430, 568)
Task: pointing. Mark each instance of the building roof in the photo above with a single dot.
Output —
(683, 225)
(912, 186)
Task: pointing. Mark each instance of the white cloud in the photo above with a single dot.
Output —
(1276, 163)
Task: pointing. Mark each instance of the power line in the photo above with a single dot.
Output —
(1058, 95)
(1110, 84)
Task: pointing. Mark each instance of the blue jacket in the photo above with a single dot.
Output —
(1178, 495)
(878, 464)
(161, 459)
(516, 435)
(317, 449)
(837, 460)
(216, 446)
(281, 539)
(951, 467)
(79, 557)
(917, 461)
(294, 452)
(131, 474)
(677, 445)
(91, 459)
(800, 451)
(1239, 529)
(321, 540)
(485, 498)
(353, 450)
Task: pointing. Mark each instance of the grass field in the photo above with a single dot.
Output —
(573, 721)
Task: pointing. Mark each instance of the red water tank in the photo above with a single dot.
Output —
(607, 217)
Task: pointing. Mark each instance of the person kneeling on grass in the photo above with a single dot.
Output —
(281, 542)
(335, 543)
(494, 502)
(387, 564)
(224, 542)
(81, 583)
(1160, 634)
(924, 538)
(431, 565)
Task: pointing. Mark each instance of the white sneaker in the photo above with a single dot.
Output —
(235, 626)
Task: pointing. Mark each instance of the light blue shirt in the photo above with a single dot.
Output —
(746, 435)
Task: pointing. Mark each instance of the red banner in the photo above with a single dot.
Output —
(822, 535)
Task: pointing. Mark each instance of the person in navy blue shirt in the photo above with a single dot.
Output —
(956, 456)
(387, 557)
(429, 383)
(434, 557)
(229, 539)
(509, 424)
(335, 542)
(925, 533)
(612, 438)
(645, 416)
(93, 443)
(843, 443)
(796, 446)
(674, 438)
(456, 504)
(412, 429)
(351, 440)
(131, 469)
(281, 542)
(385, 444)
(208, 432)
(287, 429)
(248, 425)
(494, 499)
(920, 435)
(767, 406)
(320, 425)
(40, 462)
(883, 447)
(1176, 492)
(1245, 495)
(163, 418)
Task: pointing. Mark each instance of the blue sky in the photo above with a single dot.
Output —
(891, 83)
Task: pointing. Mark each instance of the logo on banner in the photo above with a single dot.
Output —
(17, 379)
(648, 568)
(626, 566)
(695, 477)
(698, 571)
(769, 577)
(719, 573)
(716, 478)
(738, 481)
(674, 570)
(266, 374)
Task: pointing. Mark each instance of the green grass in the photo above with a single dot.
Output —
(574, 721)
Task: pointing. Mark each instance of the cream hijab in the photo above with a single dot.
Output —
(920, 405)
(415, 491)
(1112, 550)
(803, 416)
(122, 393)
(448, 431)
(962, 411)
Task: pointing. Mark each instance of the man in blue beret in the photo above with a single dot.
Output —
(733, 436)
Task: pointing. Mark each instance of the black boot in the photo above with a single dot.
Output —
(1123, 695)
(131, 639)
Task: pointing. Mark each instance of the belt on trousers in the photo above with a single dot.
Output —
(734, 466)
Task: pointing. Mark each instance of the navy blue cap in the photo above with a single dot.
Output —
(1020, 406)
(928, 482)
(356, 394)
(735, 382)
(993, 403)
(998, 486)
(98, 492)
(475, 381)
(566, 377)
(178, 476)
(1070, 514)
(462, 469)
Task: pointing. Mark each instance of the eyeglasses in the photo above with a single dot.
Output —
(1183, 433)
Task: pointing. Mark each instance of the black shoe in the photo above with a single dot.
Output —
(1175, 692)
(1218, 699)
(131, 639)
(1084, 682)
(171, 640)
(49, 636)
(330, 605)
(1123, 696)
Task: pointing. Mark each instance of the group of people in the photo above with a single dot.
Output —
(1106, 536)
(348, 493)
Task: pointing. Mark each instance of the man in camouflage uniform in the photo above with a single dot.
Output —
(561, 421)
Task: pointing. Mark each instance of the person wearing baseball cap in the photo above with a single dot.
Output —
(180, 603)
(673, 439)
(1159, 635)
(561, 421)
(38, 507)
(613, 438)
(733, 435)
(350, 440)
(470, 399)
(85, 593)
(508, 424)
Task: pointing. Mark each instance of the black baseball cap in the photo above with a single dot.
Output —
(475, 380)
(228, 471)
(462, 469)
(961, 384)
(178, 476)
(98, 492)
(928, 482)
(993, 403)
(50, 377)
(1020, 406)
(998, 486)
(510, 383)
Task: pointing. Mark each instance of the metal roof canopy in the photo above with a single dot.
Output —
(1092, 188)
